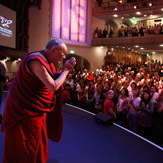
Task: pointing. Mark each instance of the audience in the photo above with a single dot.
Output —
(127, 31)
(132, 94)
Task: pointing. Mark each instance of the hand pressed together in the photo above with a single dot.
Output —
(69, 64)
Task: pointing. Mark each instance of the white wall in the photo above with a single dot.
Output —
(95, 55)
(39, 26)
(152, 23)
(158, 57)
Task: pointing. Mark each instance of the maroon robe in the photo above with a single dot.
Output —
(32, 114)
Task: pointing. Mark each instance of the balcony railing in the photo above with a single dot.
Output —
(127, 40)
(99, 10)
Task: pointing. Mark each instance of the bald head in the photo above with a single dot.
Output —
(55, 44)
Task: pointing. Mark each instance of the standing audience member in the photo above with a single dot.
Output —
(66, 94)
(81, 94)
(74, 92)
(154, 94)
(122, 108)
(159, 125)
(145, 120)
(90, 103)
(105, 32)
(106, 89)
(98, 98)
(109, 105)
(134, 104)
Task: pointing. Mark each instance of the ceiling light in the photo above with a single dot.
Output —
(115, 9)
(115, 15)
(162, 9)
(122, 17)
(153, 52)
(141, 48)
(123, 47)
(135, 7)
(150, 4)
(153, 16)
(145, 15)
(138, 13)
(161, 45)
(136, 46)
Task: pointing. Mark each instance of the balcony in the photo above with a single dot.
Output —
(129, 7)
(151, 39)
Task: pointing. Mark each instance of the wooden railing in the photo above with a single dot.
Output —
(128, 40)
(99, 10)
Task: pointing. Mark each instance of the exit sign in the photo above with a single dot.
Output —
(72, 52)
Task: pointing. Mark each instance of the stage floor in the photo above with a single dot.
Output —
(85, 141)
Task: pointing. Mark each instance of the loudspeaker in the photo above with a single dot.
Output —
(103, 118)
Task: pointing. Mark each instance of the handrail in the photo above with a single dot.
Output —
(127, 7)
(127, 40)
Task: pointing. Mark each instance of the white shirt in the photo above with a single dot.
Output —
(136, 103)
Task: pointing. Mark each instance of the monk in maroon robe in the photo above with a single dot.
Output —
(33, 108)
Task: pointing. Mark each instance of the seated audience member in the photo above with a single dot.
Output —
(134, 104)
(109, 105)
(122, 108)
(98, 98)
(146, 109)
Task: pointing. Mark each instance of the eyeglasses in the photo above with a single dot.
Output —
(61, 51)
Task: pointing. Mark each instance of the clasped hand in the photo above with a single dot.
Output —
(69, 64)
